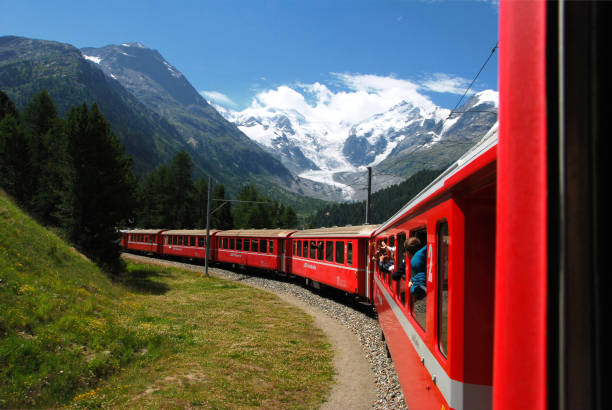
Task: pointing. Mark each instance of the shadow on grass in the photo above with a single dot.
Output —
(140, 281)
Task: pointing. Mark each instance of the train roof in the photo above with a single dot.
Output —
(487, 142)
(190, 232)
(337, 231)
(258, 233)
(143, 231)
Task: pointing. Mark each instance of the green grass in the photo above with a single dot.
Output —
(161, 338)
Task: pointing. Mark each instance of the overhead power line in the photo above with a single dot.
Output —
(473, 80)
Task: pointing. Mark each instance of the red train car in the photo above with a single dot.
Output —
(512, 314)
(258, 248)
(188, 243)
(442, 343)
(142, 240)
(337, 257)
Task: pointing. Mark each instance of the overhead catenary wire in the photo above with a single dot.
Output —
(474, 80)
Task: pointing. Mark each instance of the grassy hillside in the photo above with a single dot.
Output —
(162, 338)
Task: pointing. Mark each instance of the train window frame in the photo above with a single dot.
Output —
(201, 241)
(305, 248)
(442, 319)
(320, 250)
(192, 241)
(254, 245)
(329, 253)
(246, 245)
(312, 254)
(238, 244)
(271, 246)
(180, 241)
(263, 246)
(232, 243)
(349, 253)
(340, 255)
(298, 248)
(420, 319)
(400, 258)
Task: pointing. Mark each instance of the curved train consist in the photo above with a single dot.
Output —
(497, 327)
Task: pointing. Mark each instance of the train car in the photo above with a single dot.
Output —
(188, 243)
(259, 248)
(441, 339)
(337, 257)
(142, 240)
(512, 313)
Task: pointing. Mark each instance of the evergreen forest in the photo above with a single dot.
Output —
(72, 173)
(383, 204)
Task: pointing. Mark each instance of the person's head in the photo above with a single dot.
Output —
(412, 245)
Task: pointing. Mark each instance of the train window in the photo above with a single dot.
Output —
(180, 240)
(313, 249)
(201, 241)
(329, 251)
(298, 248)
(320, 250)
(418, 292)
(399, 259)
(340, 252)
(192, 241)
(263, 246)
(247, 245)
(254, 245)
(224, 243)
(232, 243)
(271, 246)
(238, 244)
(186, 241)
(349, 253)
(443, 288)
(305, 249)
(165, 240)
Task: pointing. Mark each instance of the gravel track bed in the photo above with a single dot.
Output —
(357, 317)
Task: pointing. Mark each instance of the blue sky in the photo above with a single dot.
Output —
(235, 50)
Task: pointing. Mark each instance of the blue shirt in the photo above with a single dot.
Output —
(418, 264)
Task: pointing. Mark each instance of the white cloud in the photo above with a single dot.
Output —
(444, 83)
(218, 97)
(353, 98)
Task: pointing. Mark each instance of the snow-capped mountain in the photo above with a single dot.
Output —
(337, 153)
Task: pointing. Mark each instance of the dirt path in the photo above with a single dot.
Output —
(354, 386)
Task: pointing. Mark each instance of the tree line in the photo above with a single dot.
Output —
(70, 172)
(169, 197)
(383, 203)
(73, 173)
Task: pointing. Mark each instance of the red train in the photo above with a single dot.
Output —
(511, 306)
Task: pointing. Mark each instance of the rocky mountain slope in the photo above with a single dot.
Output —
(396, 143)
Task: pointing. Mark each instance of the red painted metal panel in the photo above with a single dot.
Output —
(345, 276)
(520, 308)
(419, 390)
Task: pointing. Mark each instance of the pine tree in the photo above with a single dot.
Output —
(222, 218)
(103, 185)
(14, 166)
(201, 202)
(182, 191)
(48, 160)
(7, 107)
